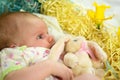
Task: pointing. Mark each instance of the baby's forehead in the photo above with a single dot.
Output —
(21, 19)
(24, 18)
(19, 15)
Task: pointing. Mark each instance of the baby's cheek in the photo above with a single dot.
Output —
(42, 44)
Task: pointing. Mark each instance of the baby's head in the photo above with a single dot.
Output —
(22, 28)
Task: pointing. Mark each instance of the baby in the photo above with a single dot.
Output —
(25, 46)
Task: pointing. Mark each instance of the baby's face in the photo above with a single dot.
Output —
(33, 32)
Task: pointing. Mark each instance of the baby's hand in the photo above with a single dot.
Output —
(64, 39)
(58, 48)
(60, 71)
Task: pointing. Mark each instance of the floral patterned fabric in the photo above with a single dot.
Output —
(16, 58)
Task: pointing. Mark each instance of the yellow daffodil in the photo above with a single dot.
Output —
(98, 16)
(100, 10)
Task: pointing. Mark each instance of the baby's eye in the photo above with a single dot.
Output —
(39, 37)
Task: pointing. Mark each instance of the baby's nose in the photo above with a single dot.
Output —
(51, 39)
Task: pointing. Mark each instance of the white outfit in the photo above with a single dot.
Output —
(16, 58)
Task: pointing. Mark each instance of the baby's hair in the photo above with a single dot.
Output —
(9, 27)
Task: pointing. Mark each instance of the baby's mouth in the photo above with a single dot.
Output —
(52, 44)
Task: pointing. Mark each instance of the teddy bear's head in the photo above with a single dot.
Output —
(84, 56)
(79, 62)
(74, 44)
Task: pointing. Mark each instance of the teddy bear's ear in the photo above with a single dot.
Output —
(98, 52)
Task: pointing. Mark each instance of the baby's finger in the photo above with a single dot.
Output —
(67, 37)
(68, 74)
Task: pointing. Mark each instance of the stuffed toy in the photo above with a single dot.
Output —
(84, 56)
